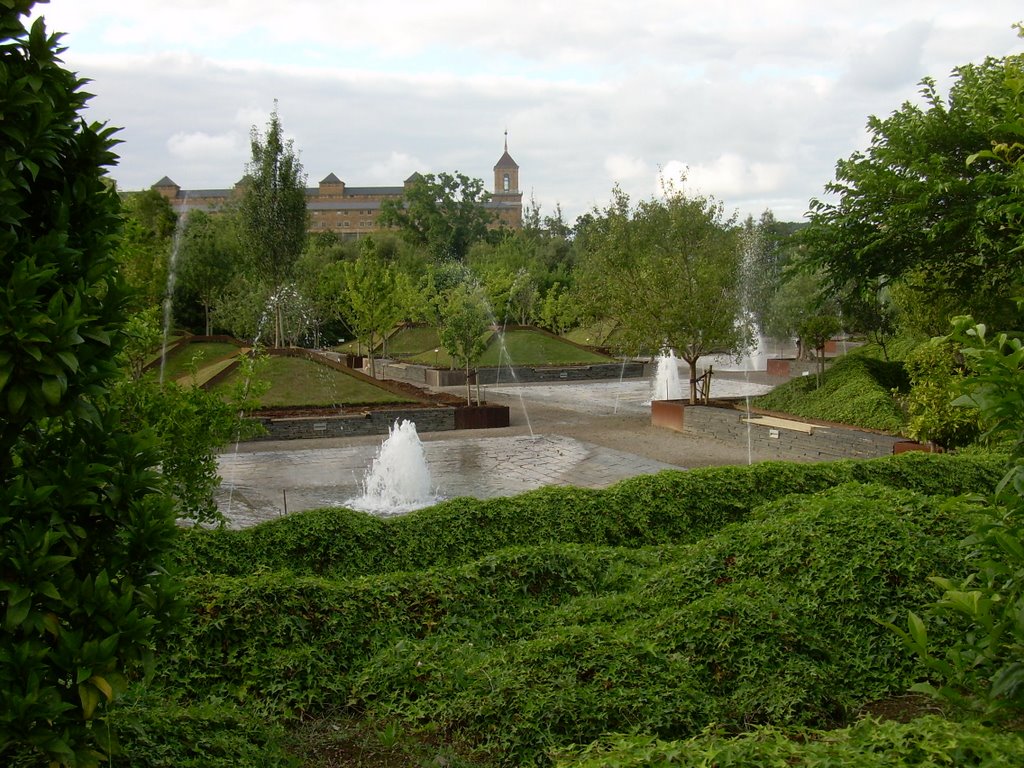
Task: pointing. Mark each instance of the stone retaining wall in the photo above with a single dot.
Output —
(434, 377)
(822, 443)
(371, 423)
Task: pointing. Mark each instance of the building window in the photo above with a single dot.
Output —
(506, 182)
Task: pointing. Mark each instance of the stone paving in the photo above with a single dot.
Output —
(261, 481)
(260, 485)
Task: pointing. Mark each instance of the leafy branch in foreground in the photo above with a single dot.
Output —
(984, 669)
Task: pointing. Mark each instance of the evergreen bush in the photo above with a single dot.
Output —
(82, 533)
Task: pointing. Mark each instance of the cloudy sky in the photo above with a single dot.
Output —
(753, 101)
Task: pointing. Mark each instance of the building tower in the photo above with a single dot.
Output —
(506, 199)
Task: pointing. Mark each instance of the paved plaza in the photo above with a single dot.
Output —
(583, 434)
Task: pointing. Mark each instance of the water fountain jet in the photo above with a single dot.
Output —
(666, 378)
(398, 479)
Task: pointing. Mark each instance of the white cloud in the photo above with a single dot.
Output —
(758, 100)
(625, 169)
(729, 176)
(393, 169)
(200, 146)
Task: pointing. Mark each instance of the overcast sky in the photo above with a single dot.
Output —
(755, 101)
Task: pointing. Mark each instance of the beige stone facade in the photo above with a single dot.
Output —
(352, 211)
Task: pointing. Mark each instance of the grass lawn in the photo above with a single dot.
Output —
(531, 348)
(298, 382)
(195, 355)
(418, 340)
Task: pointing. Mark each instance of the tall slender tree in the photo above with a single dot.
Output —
(273, 211)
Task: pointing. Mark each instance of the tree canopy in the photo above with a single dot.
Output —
(444, 213)
(273, 209)
(912, 209)
(669, 272)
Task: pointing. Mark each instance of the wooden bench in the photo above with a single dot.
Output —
(777, 423)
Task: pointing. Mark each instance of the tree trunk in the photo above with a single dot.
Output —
(469, 387)
(693, 378)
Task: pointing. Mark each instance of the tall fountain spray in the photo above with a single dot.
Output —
(666, 378)
(398, 479)
(172, 274)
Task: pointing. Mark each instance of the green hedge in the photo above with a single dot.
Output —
(774, 619)
(155, 731)
(670, 507)
(927, 742)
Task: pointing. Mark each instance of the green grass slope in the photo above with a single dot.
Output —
(856, 390)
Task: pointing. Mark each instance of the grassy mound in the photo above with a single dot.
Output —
(298, 382)
(528, 347)
(522, 346)
(186, 357)
(857, 390)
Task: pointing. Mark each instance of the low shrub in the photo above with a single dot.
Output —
(926, 742)
(775, 619)
(152, 730)
(669, 507)
(855, 390)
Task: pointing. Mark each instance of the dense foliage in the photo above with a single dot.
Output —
(82, 533)
(984, 668)
(670, 507)
(513, 640)
(912, 211)
(856, 390)
(927, 742)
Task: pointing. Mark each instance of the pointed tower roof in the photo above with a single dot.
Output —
(506, 161)
(165, 182)
(331, 179)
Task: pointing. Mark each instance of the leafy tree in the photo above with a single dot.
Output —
(559, 311)
(815, 331)
(191, 425)
(668, 272)
(443, 213)
(145, 245)
(983, 668)
(466, 320)
(208, 257)
(375, 299)
(83, 532)
(153, 212)
(143, 335)
(273, 211)
(762, 265)
(911, 205)
(936, 370)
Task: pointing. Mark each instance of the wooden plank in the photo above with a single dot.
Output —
(772, 421)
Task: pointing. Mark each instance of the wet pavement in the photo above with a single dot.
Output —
(261, 481)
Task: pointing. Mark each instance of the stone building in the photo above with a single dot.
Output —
(352, 211)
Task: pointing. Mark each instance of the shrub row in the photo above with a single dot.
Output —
(670, 507)
(927, 742)
(772, 620)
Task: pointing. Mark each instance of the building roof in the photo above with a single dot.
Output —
(506, 161)
(331, 179)
(165, 182)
